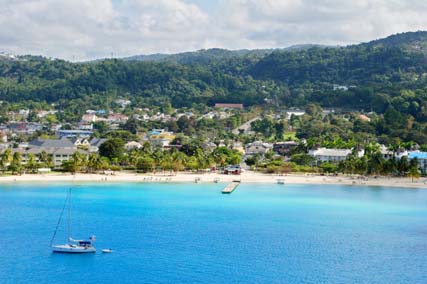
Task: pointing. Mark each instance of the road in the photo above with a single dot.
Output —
(245, 126)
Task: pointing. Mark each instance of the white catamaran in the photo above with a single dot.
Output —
(73, 246)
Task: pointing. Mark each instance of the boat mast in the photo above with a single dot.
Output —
(69, 214)
(67, 201)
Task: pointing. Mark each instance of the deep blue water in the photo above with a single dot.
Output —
(191, 233)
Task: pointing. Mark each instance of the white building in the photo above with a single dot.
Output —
(132, 145)
(331, 155)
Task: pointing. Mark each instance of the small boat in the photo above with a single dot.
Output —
(280, 181)
(216, 180)
(107, 250)
(72, 246)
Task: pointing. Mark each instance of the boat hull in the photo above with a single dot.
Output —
(73, 249)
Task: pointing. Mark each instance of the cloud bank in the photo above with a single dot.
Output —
(88, 29)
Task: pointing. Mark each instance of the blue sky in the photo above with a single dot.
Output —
(89, 29)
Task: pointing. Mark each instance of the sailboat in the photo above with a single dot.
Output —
(73, 245)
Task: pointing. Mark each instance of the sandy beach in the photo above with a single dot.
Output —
(246, 177)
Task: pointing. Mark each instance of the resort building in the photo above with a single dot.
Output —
(330, 155)
(60, 149)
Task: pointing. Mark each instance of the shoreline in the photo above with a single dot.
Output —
(246, 177)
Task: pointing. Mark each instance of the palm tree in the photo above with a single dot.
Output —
(157, 156)
(413, 173)
(75, 163)
(6, 159)
(31, 164)
(146, 163)
(202, 160)
(16, 164)
(192, 163)
(49, 162)
(43, 157)
(167, 162)
(146, 148)
(95, 163)
(179, 161)
(134, 156)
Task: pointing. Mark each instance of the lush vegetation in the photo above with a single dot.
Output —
(378, 76)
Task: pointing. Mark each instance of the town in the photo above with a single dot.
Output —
(269, 140)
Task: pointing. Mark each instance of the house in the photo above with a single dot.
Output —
(364, 118)
(3, 137)
(24, 112)
(122, 103)
(25, 128)
(386, 153)
(238, 146)
(229, 106)
(284, 148)
(44, 113)
(95, 143)
(117, 118)
(422, 160)
(132, 145)
(296, 112)
(160, 137)
(89, 118)
(258, 148)
(209, 146)
(330, 155)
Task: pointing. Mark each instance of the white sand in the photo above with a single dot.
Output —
(246, 177)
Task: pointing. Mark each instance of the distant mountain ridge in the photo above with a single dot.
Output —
(206, 56)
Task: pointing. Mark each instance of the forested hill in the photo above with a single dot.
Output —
(207, 56)
(378, 75)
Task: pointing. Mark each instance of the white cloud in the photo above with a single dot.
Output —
(93, 29)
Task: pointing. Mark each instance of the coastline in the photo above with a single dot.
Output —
(246, 177)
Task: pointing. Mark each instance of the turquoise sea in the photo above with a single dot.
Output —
(191, 233)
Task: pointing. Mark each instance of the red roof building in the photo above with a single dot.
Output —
(235, 106)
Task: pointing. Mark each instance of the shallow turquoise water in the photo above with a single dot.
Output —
(191, 233)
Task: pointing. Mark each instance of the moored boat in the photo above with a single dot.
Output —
(76, 246)
(72, 246)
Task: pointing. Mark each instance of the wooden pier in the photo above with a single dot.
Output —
(230, 187)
